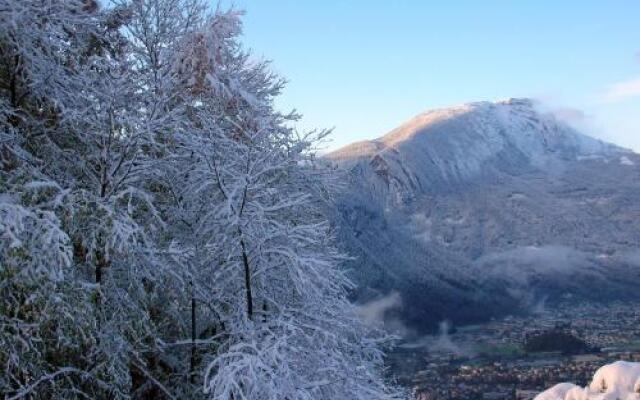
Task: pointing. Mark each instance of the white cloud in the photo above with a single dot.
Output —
(374, 313)
(622, 91)
(569, 114)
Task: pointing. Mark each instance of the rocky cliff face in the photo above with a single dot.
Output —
(486, 209)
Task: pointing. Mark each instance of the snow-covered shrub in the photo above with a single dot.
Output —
(617, 381)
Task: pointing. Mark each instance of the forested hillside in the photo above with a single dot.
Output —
(489, 209)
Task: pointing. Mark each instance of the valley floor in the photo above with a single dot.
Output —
(489, 361)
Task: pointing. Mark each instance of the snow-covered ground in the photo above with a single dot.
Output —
(617, 381)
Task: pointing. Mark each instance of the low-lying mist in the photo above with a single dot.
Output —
(522, 280)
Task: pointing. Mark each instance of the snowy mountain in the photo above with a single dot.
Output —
(488, 208)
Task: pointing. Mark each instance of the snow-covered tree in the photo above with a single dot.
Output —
(162, 233)
(76, 152)
(42, 310)
(289, 331)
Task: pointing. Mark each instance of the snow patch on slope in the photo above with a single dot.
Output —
(624, 160)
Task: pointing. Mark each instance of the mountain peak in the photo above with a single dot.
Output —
(462, 138)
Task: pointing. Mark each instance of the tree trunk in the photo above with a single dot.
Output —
(247, 280)
(192, 366)
(264, 312)
(101, 264)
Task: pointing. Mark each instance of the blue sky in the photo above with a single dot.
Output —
(363, 67)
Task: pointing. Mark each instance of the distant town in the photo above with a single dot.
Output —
(518, 357)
